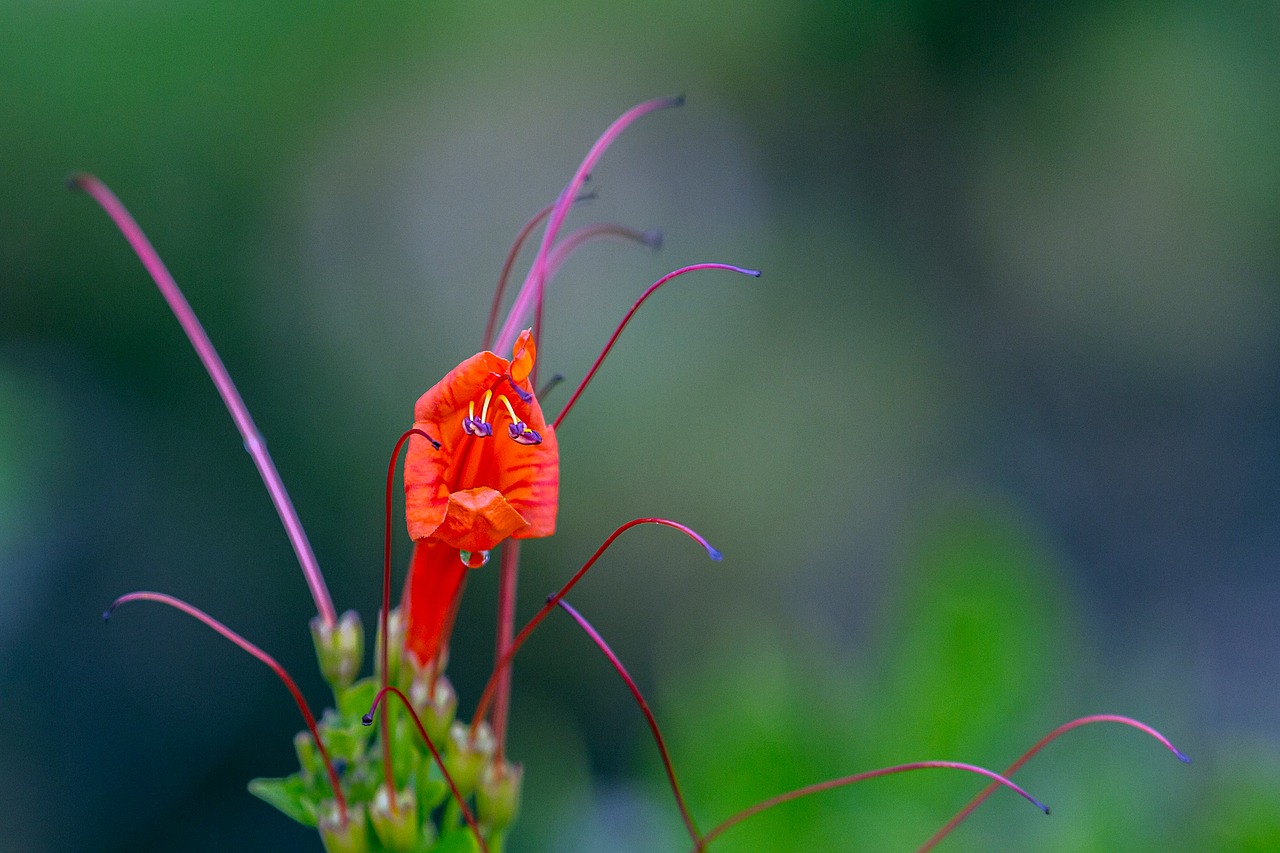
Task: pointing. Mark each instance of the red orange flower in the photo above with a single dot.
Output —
(496, 475)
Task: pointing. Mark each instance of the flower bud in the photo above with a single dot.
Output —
(351, 837)
(466, 757)
(437, 710)
(339, 648)
(308, 756)
(397, 830)
(498, 796)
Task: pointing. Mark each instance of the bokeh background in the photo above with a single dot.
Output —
(992, 444)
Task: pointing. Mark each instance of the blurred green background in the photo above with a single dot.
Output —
(993, 443)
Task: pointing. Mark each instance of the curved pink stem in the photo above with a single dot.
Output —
(198, 614)
(253, 441)
(535, 281)
(435, 755)
(486, 697)
(653, 288)
(586, 626)
(1039, 745)
(861, 777)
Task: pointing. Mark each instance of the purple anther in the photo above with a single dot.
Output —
(521, 434)
(476, 427)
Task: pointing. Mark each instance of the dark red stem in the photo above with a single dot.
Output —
(644, 709)
(1039, 745)
(627, 319)
(435, 755)
(272, 663)
(861, 777)
(486, 697)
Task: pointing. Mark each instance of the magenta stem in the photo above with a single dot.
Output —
(530, 290)
(1039, 745)
(272, 663)
(487, 696)
(253, 441)
(435, 755)
(648, 715)
(862, 777)
(508, 572)
(653, 288)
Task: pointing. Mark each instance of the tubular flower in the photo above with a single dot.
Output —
(496, 475)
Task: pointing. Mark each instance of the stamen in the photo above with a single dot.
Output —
(653, 288)
(1039, 745)
(519, 432)
(524, 395)
(367, 719)
(482, 707)
(472, 425)
(213, 365)
(199, 615)
(484, 410)
(648, 715)
(862, 777)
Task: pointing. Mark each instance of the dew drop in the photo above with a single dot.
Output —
(474, 559)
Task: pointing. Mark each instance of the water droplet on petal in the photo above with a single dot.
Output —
(474, 559)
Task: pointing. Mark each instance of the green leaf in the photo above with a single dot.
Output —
(290, 795)
(354, 702)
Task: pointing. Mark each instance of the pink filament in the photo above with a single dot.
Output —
(653, 288)
(435, 755)
(486, 697)
(648, 715)
(861, 777)
(272, 663)
(253, 441)
(531, 290)
(1039, 745)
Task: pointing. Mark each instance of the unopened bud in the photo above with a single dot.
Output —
(437, 709)
(308, 756)
(349, 837)
(498, 796)
(398, 830)
(339, 648)
(466, 757)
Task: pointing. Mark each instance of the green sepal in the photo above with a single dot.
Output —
(354, 702)
(457, 841)
(290, 795)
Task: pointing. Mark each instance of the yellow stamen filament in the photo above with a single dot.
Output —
(472, 408)
(510, 411)
(484, 409)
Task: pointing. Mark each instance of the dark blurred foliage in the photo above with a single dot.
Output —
(992, 444)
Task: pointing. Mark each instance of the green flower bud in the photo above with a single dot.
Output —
(436, 711)
(466, 758)
(339, 649)
(308, 756)
(498, 796)
(399, 830)
(353, 837)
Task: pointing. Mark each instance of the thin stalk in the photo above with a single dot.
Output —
(591, 632)
(653, 288)
(199, 615)
(253, 441)
(486, 697)
(1039, 745)
(854, 779)
(508, 572)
